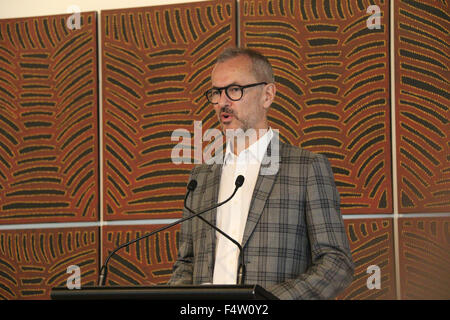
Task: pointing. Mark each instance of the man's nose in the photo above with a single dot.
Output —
(224, 100)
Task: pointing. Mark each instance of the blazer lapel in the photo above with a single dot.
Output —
(263, 186)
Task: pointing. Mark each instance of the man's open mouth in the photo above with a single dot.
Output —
(226, 116)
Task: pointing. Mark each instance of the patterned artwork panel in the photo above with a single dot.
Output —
(156, 66)
(48, 120)
(332, 73)
(332, 68)
(145, 262)
(32, 262)
(422, 100)
(372, 246)
(425, 258)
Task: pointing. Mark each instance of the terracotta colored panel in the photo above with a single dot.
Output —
(422, 100)
(372, 244)
(156, 66)
(48, 120)
(425, 258)
(333, 88)
(32, 262)
(145, 262)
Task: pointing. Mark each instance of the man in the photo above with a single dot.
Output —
(287, 220)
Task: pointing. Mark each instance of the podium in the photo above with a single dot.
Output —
(162, 292)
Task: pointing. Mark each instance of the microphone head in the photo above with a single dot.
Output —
(192, 185)
(239, 181)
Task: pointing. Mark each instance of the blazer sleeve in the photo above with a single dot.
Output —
(183, 268)
(182, 272)
(331, 269)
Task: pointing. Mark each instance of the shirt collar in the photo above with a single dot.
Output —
(256, 151)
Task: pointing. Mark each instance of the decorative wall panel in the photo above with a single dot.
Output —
(422, 105)
(333, 88)
(32, 262)
(146, 262)
(372, 244)
(48, 120)
(424, 258)
(156, 65)
(332, 73)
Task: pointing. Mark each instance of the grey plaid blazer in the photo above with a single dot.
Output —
(295, 242)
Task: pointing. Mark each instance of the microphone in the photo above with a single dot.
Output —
(241, 270)
(191, 186)
(239, 181)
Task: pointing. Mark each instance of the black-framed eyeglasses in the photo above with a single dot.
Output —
(234, 92)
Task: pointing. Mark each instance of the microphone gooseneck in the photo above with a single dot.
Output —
(191, 187)
(241, 270)
(104, 269)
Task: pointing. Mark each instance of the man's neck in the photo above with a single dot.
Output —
(243, 140)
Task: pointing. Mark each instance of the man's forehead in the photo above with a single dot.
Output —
(232, 70)
(241, 60)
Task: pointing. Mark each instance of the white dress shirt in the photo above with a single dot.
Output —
(232, 216)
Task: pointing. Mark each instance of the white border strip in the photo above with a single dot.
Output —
(144, 222)
(55, 225)
(238, 23)
(396, 216)
(367, 216)
(139, 222)
(100, 126)
(85, 224)
(424, 215)
(394, 147)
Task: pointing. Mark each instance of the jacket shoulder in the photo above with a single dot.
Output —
(201, 168)
(291, 153)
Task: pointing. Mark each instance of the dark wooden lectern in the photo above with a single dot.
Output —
(203, 292)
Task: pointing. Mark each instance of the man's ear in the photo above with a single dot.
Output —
(269, 95)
